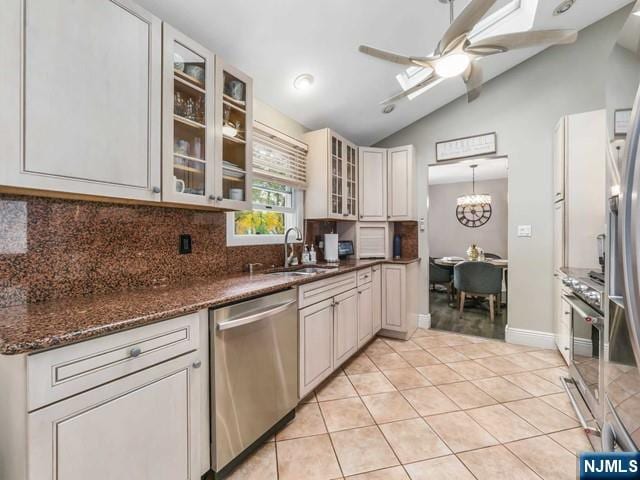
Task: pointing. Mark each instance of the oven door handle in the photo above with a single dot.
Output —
(583, 423)
(591, 319)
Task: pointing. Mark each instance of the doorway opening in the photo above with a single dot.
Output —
(468, 246)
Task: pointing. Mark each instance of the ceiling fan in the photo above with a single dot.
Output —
(457, 55)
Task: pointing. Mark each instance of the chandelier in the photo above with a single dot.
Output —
(474, 199)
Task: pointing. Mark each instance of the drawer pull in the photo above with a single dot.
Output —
(135, 352)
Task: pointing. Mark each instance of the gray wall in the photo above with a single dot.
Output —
(448, 237)
(522, 106)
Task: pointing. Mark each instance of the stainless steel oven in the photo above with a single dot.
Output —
(587, 349)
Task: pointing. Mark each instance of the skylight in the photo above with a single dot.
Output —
(414, 75)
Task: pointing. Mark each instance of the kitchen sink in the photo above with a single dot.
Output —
(302, 272)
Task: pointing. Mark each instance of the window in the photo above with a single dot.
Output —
(276, 207)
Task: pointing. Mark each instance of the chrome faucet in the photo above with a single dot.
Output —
(288, 256)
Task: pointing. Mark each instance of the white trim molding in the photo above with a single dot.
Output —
(531, 338)
(424, 320)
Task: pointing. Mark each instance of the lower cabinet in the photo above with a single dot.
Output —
(365, 314)
(145, 425)
(399, 299)
(562, 320)
(376, 298)
(316, 344)
(345, 326)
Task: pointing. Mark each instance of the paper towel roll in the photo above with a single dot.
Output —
(331, 247)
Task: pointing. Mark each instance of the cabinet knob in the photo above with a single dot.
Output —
(135, 352)
(197, 364)
(219, 198)
(156, 190)
(212, 197)
(335, 304)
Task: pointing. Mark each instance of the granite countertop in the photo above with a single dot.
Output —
(39, 326)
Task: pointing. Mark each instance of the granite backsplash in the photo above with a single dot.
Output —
(55, 248)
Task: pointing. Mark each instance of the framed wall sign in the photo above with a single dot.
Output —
(621, 120)
(466, 147)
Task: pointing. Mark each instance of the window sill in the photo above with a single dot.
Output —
(238, 241)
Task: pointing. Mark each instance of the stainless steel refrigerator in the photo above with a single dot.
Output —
(621, 429)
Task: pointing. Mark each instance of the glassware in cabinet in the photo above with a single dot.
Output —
(188, 123)
(235, 101)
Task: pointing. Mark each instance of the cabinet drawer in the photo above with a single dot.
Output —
(322, 289)
(63, 372)
(364, 276)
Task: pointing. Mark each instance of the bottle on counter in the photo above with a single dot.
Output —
(313, 257)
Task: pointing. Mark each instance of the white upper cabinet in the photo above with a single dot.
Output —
(559, 153)
(81, 97)
(373, 184)
(234, 137)
(401, 183)
(189, 172)
(332, 167)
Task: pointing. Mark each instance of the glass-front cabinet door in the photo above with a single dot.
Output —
(343, 175)
(351, 182)
(188, 173)
(336, 175)
(234, 137)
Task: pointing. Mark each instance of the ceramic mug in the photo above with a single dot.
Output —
(236, 194)
(180, 185)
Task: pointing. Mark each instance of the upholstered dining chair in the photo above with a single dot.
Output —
(441, 275)
(478, 279)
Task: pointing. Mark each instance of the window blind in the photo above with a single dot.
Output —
(279, 157)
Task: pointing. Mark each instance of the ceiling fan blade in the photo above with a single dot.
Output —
(388, 56)
(415, 88)
(473, 79)
(395, 58)
(465, 22)
(512, 41)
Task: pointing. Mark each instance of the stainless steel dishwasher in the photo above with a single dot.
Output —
(254, 375)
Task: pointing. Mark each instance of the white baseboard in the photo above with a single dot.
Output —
(424, 321)
(531, 338)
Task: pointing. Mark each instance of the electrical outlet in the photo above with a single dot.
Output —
(524, 231)
(185, 243)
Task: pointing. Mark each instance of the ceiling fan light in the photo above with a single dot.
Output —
(474, 199)
(452, 65)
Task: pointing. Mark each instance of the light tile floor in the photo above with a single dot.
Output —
(439, 406)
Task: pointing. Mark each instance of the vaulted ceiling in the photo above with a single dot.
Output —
(275, 40)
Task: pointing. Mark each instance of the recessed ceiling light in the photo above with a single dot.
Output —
(389, 108)
(303, 82)
(564, 7)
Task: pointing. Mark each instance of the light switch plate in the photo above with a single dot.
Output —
(524, 230)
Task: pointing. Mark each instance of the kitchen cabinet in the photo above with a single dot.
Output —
(332, 166)
(401, 184)
(399, 299)
(345, 326)
(558, 237)
(81, 98)
(125, 405)
(373, 184)
(376, 298)
(234, 137)
(365, 314)
(316, 344)
(145, 425)
(189, 173)
(373, 240)
(559, 155)
(562, 319)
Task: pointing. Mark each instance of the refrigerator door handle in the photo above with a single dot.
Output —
(630, 222)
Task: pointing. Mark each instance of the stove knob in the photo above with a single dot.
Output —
(581, 288)
(566, 282)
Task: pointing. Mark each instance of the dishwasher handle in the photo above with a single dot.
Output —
(256, 317)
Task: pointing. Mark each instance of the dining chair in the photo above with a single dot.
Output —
(478, 279)
(441, 275)
(492, 256)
